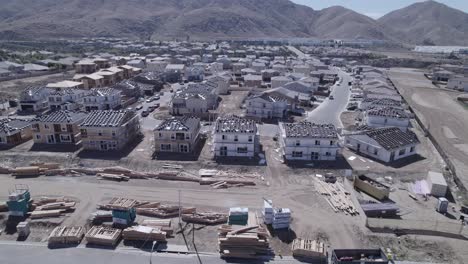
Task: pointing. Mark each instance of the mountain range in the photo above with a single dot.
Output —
(422, 23)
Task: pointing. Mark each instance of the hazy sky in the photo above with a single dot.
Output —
(376, 8)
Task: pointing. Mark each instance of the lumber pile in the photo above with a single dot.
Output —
(104, 236)
(118, 203)
(100, 216)
(165, 211)
(164, 225)
(66, 206)
(46, 214)
(5, 170)
(308, 249)
(246, 243)
(47, 200)
(145, 204)
(23, 229)
(112, 177)
(337, 197)
(210, 181)
(66, 235)
(205, 218)
(144, 233)
(46, 166)
(26, 171)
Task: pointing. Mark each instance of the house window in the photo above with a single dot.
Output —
(242, 150)
(376, 151)
(38, 136)
(314, 155)
(332, 142)
(165, 147)
(412, 149)
(402, 152)
(65, 138)
(99, 133)
(297, 154)
(84, 133)
(328, 153)
(160, 135)
(317, 142)
(236, 138)
(264, 105)
(46, 126)
(298, 142)
(35, 127)
(250, 139)
(113, 133)
(223, 137)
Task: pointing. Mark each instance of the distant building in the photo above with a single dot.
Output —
(386, 144)
(442, 76)
(109, 130)
(86, 67)
(177, 135)
(102, 99)
(66, 99)
(34, 99)
(308, 141)
(266, 106)
(90, 81)
(235, 137)
(194, 99)
(387, 117)
(59, 127)
(458, 83)
(14, 131)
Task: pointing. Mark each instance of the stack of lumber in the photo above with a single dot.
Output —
(23, 229)
(209, 181)
(4, 170)
(112, 177)
(47, 200)
(173, 176)
(205, 218)
(248, 243)
(119, 203)
(104, 236)
(163, 225)
(165, 211)
(45, 214)
(66, 235)
(144, 233)
(100, 216)
(145, 204)
(172, 166)
(66, 206)
(306, 248)
(26, 171)
(124, 171)
(46, 166)
(337, 197)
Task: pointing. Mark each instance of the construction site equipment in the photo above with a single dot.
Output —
(247, 243)
(337, 197)
(380, 209)
(104, 236)
(23, 229)
(238, 216)
(19, 200)
(144, 233)
(437, 184)
(442, 205)
(26, 171)
(359, 256)
(205, 218)
(309, 249)
(66, 235)
(165, 211)
(372, 187)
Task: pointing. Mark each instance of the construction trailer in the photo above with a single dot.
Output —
(380, 210)
(19, 201)
(372, 187)
(437, 184)
(359, 256)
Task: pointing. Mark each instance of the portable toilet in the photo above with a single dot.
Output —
(442, 205)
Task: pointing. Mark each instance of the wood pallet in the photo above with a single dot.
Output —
(66, 235)
(307, 248)
(104, 236)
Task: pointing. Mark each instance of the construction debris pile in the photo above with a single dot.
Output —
(205, 218)
(337, 197)
(248, 242)
(103, 236)
(311, 250)
(278, 218)
(64, 235)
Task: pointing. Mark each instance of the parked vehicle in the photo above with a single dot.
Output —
(145, 113)
(139, 107)
(332, 97)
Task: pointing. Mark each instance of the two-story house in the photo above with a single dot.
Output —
(266, 106)
(59, 127)
(34, 99)
(308, 141)
(102, 99)
(387, 117)
(177, 135)
(194, 99)
(107, 130)
(66, 99)
(14, 131)
(235, 136)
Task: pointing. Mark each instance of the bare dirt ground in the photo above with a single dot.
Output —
(231, 103)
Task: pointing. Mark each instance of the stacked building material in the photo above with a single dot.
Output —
(380, 209)
(112, 177)
(26, 171)
(268, 211)
(46, 166)
(67, 206)
(3, 207)
(100, 216)
(23, 229)
(163, 225)
(205, 218)
(144, 233)
(281, 218)
(46, 214)
(437, 184)
(66, 235)
(19, 201)
(238, 216)
(372, 187)
(312, 250)
(104, 236)
(247, 243)
(123, 210)
(165, 211)
(337, 197)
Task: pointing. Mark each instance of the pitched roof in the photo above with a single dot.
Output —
(9, 126)
(235, 124)
(178, 124)
(309, 130)
(107, 118)
(392, 137)
(389, 112)
(61, 116)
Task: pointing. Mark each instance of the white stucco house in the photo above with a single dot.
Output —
(386, 144)
(458, 83)
(266, 106)
(235, 136)
(387, 117)
(308, 141)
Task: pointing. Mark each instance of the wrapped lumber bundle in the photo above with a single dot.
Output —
(55, 172)
(144, 233)
(165, 211)
(205, 218)
(45, 214)
(117, 170)
(164, 225)
(26, 171)
(100, 216)
(87, 171)
(66, 235)
(67, 206)
(148, 205)
(209, 181)
(46, 200)
(112, 177)
(309, 249)
(104, 236)
(46, 166)
(246, 243)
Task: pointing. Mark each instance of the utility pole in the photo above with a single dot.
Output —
(180, 212)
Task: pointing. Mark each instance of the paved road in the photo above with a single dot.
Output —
(299, 54)
(14, 253)
(329, 111)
